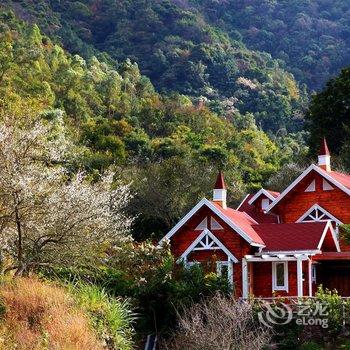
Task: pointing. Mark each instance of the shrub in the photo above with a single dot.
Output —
(219, 323)
(311, 346)
(111, 318)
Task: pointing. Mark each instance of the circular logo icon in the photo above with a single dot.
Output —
(275, 314)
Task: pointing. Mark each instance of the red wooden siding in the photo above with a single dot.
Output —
(297, 202)
(232, 240)
(262, 280)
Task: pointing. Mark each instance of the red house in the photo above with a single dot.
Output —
(273, 243)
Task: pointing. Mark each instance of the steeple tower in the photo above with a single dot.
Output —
(220, 192)
(324, 157)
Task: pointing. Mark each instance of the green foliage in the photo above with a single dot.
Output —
(157, 287)
(329, 116)
(310, 38)
(111, 317)
(344, 231)
(179, 50)
(116, 117)
(311, 345)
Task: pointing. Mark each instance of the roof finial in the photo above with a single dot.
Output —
(324, 157)
(220, 193)
(220, 182)
(324, 151)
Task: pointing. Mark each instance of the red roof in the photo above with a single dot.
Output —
(220, 182)
(344, 179)
(332, 256)
(243, 221)
(258, 216)
(273, 193)
(324, 151)
(291, 237)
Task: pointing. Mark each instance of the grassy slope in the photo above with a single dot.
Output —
(40, 315)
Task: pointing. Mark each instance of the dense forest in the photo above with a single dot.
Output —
(179, 51)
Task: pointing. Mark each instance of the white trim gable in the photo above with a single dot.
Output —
(329, 226)
(212, 207)
(312, 167)
(259, 193)
(204, 235)
(317, 217)
(245, 198)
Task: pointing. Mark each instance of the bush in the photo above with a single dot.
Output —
(157, 286)
(111, 318)
(311, 346)
(219, 323)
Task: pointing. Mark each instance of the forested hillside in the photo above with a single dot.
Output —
(116, 117)
(310, 39)
(179, 51)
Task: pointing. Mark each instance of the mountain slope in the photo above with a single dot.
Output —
(311, 38)
(178, 50)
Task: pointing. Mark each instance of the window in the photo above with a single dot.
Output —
(311, 187)
(203, 225)
(225, 269)
(265, 203)
(326, 186)
(280, 275)
(215, 225)
(313, 273)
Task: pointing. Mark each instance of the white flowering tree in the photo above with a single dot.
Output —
(46, 216)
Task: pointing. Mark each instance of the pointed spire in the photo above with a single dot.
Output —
(324, 151)
(220, 193)
(324, 157)
(220, 182)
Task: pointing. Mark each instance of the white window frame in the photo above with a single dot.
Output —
(313, 273)
(275, 287)
(229, 264)
(189, 264)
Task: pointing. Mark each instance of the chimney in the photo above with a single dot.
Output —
(324, 157)
(219, 193)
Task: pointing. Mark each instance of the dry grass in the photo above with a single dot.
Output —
(41, 316)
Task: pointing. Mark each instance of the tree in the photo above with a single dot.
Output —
(48, 217)
(329, 115)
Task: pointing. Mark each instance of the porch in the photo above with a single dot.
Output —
(284, 275)
(333, 271)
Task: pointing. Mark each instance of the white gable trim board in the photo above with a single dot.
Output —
(211, 206)
(197, 241)
(329, 226)
(259, 193)
(245, 198)
(324, 211)
(312, 167)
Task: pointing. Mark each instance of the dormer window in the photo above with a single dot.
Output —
(265, 202)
